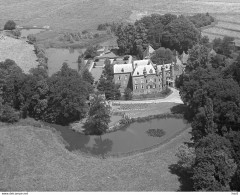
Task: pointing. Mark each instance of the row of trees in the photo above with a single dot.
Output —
(169, 31)
(60, 98)
(212, 94)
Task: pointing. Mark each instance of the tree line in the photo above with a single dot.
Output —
(60, 98)
(211, 90)
(178, 33)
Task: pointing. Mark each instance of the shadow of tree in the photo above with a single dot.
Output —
(184, 177)
(184, 110)
(100, 147)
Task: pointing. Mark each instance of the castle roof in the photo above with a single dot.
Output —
(142, 62)
(167, 67)
(185, 58)
(142, 66)
(148, 51)
(122, 68)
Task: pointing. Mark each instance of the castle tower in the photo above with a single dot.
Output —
(163, 77)
(172, 74)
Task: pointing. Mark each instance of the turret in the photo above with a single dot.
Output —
(172, 73)
(163, 77)
(144, 72)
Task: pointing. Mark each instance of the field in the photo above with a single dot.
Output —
(19, 51)
(62, 15)
(33, 159)
(78, 15)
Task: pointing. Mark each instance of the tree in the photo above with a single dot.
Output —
(214, 166)
(128, 94)
(9, 115)
(87, 76)
(16, 33)
(10, 25)
(32, 39)
(223, 46)
(162, 55)
(98, 117)
(67, 96)
(180, 34)
(186, 156)
(126, 38)
(91, 52)
(198, 57)
(80, 62)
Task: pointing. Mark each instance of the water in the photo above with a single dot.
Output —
(26, 32)
(129, 139)
(57, 56)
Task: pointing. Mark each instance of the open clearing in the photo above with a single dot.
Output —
(32, 159)
(19, 51)
(64, 15)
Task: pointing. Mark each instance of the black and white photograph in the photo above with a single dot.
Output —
(119, 96)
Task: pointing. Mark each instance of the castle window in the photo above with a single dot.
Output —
(154, 86)
(119, 78)
(137, 73)
(122, 70)
(136, 86)
(142, 86)
(135, 82)
(141, 80)
(150, 71)
(146, 80)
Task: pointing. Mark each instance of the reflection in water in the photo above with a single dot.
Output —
(57, 56)
(100, 147)
(132, 138)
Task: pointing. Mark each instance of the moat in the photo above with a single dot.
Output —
(129, 139)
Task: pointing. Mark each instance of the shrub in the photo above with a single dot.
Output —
(31, 38)
(9, 115)
(16, 33)
(126, 58)
(10, 25)
(128, 94)
(84, 32)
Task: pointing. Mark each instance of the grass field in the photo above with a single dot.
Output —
(33, 159)
(19, 51)
(62, 15)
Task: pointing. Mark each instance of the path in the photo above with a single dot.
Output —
(173, 97)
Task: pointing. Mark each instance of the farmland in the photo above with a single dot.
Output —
(63, 15)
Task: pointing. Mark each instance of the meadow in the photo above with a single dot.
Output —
(33, 159)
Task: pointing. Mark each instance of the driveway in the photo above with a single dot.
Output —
(173, 97)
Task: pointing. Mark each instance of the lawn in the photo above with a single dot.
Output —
(19, 51)
(96, 72)
(33, 159)
(142, 110)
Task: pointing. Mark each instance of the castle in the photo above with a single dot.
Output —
(144, 77)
